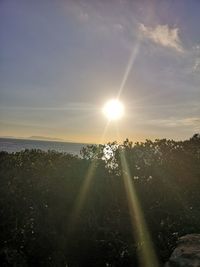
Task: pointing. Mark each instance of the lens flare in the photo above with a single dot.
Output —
(146, 253)
(113, 109)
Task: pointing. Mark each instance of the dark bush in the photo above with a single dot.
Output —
(59, 209)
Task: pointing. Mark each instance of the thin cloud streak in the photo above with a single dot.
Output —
(68, 107)
(174, 122)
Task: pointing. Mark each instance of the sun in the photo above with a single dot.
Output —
(113, 109)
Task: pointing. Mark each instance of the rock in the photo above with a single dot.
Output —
(187, 252)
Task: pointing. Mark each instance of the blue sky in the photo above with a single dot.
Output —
(61, 60)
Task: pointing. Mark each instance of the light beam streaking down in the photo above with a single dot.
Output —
(146, 254)
(85, 187)
(86, 184)
(128, 68)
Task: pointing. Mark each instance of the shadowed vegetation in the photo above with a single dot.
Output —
(59, 209)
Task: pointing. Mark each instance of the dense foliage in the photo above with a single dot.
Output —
(58, 209)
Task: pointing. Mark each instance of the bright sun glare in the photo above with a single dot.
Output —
(113, 109)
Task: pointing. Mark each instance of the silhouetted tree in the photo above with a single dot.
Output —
(40, 192)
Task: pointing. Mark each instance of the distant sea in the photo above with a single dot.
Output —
(15, 145)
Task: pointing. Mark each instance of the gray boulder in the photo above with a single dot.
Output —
(187, 252)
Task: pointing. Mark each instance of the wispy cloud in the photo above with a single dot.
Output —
(196, 66)
(163, 35)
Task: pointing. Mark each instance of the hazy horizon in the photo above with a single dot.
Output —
(54, 139)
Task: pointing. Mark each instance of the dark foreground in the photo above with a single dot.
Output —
(61, 210)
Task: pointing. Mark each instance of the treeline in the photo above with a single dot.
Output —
(57, 209)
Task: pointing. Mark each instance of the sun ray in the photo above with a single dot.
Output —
(73, 219)
(102, 139)
(91, 171)
(79, 202)
(146, 253)
(128, 68)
